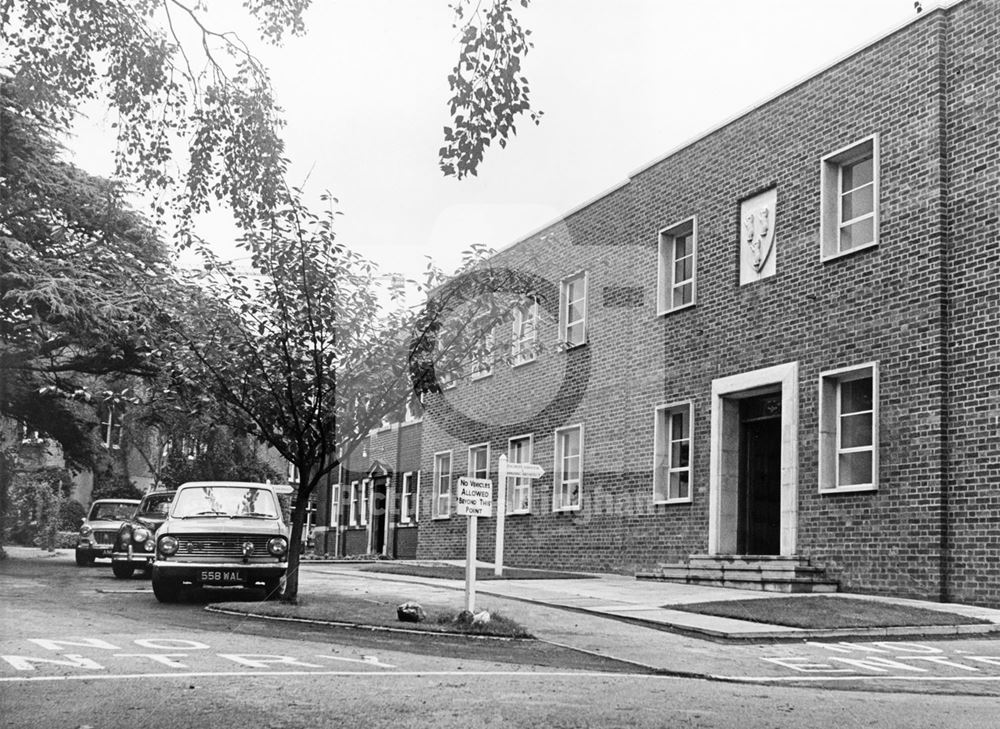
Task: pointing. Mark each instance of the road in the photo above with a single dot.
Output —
(81, 649)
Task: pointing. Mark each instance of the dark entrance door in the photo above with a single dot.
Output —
(379, 506)
(760, 475)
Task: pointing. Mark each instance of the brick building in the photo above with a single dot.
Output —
(782, 339)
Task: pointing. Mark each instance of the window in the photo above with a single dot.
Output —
(292, 473)
(522, 343)
(409, 498)
(479, 461)
(441, 508)
(482, 360)
(676, 274)
(519, 488)
(849, 180)
(573, 310)
(111, 429)
(848, 430)
(354, 515)
(672, 454)
(414, 408)
(335, 505)
(568, 477)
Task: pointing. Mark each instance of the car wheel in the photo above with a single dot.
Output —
(122, 570)
(166, 589)
(272, 588)
(84, 559)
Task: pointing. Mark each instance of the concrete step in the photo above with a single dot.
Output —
(748, 572)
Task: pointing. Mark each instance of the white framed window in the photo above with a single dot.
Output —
(848, 429)
(678, 255)
(524, 334)
(479, 461)
(849, 180)
(672, 475)
(354, 514)
(441, 506)
(482, 362)
(409, 498)
(292, 473)
(519, 488)
(414, 409)
(366, 487)
(573, 310)
(111, 429)
(567, 484)
(335, 492)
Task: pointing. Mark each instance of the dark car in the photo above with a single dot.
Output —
(100, 528)
(135, 545)
(221, 533)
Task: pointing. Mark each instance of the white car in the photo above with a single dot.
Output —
(221, 533)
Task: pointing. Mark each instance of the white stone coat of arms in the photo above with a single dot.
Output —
(757, 255)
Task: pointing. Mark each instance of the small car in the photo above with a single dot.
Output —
(221, 533)
(136, 542)
(100, 528)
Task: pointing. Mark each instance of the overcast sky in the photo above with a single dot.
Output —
(621, 82)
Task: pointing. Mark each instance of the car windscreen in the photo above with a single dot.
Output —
(111, 511)
(156, 504)
(231, 501)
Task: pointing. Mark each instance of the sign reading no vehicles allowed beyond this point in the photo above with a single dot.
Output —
(475, 497)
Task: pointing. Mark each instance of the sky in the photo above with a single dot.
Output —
(621, 83)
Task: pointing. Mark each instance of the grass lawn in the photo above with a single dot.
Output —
(457, 572)
(379, 613)
(820, 612)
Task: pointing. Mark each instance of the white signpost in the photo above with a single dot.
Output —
(508, 470)
(474, 499)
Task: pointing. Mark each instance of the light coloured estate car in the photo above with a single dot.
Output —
(221, 533)
(100, 528)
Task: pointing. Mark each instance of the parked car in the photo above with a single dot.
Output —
(100, 528)
(136, 543)
(221, 533)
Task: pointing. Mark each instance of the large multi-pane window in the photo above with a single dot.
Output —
(850, 199)
(479, 461)
(519, 488)
(523, 336)
(573, 310)
(672, 454)
(441, 503)
(849, 429)
(676, 274)
(409, 498)
(568, 472)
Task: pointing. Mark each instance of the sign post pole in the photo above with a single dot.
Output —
(474, 499)
(470, 565)
(501, 513)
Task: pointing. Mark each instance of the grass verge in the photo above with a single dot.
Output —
(457, 572)
(376, 613)
(823, 612)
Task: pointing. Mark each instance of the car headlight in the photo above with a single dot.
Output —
(141, 534)
(85, 531)
(277, 546)
(167, 545)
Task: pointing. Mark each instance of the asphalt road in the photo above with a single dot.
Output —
(81, 649)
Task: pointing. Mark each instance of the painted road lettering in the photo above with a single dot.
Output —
(884, 658)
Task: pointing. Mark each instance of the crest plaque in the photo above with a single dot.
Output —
(757, 241)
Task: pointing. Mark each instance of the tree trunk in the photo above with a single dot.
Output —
(291, 593)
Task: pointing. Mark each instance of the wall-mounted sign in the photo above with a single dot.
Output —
(757, 241)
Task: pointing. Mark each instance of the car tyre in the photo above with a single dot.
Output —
(122, 570)
(84, 559)
(166, 589)
(272, 589)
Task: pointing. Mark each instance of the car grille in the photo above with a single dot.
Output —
(216, 546)
(105, 537)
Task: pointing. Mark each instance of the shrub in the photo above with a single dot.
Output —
(71, 513)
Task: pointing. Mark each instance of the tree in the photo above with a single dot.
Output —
(299, 352)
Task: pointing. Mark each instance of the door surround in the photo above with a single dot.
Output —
(723, 477)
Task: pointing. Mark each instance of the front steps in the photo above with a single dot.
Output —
(746, 572)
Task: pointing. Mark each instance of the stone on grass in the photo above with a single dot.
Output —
(410, 612)
(481, 618)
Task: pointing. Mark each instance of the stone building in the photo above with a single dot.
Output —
(779, 342)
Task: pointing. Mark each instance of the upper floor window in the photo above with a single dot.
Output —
(111, 429)
(441, 504)
(519, 488)
(481, 364)
(849, 198)
(676, 271)
(573, 310)
(525, 328)
(568, 474)
(672, 454)
(479, 461)
(848, 429)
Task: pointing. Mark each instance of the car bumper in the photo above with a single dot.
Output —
(137, 559)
